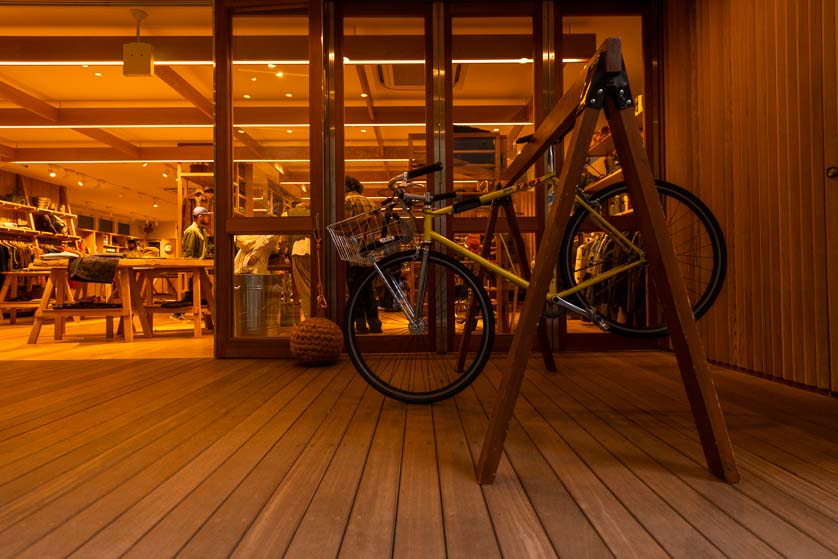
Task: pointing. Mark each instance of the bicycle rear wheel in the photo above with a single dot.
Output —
(625, 302)
(418, 368)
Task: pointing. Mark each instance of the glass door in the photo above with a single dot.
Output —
(268, 196)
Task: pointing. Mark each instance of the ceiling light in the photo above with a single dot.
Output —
(240, 131)
(52, 172)
(289, 95)
(279, 74)
(495, 129)
(363, 130)
(165, 173)
(154, 205)
(80, 182)
(271, 65)
(364, 95)
(253, 79)
(290, 131)
(246, 96)
(145, 164)
(303, 188)
(97, 74)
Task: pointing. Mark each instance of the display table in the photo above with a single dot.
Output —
(131, 274)
(9, 293)
(147, 269)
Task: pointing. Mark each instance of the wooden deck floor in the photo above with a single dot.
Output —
(194, 457)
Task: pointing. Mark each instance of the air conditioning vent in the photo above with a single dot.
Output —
(406, 77)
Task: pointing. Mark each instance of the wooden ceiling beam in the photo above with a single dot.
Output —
(191, 153)
(185, 89)
(28, 102)
(7, 153)
(104, 117)
(122, 146)
(274, 47)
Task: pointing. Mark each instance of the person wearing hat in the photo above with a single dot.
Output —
(195, 236)
(194, 244)
(366, 314)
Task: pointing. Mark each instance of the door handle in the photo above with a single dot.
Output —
(832, 172)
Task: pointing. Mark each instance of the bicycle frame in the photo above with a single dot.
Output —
(429, 235)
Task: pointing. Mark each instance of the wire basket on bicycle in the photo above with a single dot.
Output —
(370, 236)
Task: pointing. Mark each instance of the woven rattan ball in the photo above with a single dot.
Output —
(316, 341)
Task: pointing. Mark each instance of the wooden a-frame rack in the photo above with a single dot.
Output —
(603, 85)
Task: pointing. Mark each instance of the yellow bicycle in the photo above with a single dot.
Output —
(601, 268)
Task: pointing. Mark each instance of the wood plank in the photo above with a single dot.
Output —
(785, 537)
(271, 531)
(201, 480)
(730, 537)
(419, 513)
(829, 40)
(228, 431)
(621, 530)
(514, 517)
(377, 497)
(321, 528)
(53, 450)
(468, 524)
(111, 380)
(234, 501)
(104, 471)
(655, 524)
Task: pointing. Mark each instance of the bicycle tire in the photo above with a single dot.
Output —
(426, 376)
(700, 251)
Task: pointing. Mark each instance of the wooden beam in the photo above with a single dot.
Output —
(106, 117)
(7, 153)
(28, 102)
(185, 89)
(672, 292)
(545, 264)
(122, 146)
(368, 101)
(203, 152)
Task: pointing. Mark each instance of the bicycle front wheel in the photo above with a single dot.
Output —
(422, 339)
(625, 302)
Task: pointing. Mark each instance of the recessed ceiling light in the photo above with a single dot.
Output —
(363, 130)
(279, 74)
(289, 131)
(80, 182)
(97, 74)
(145, 164)
(289, 94)
(364, 95)
(165, 174)
(253, 79)
(495, 129)
(271, 65)
(240, 131)
(246, 96)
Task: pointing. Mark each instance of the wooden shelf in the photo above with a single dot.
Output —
(18, 231)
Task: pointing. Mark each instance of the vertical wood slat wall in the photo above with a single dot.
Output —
(744, 129)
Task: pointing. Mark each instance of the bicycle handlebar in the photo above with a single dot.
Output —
(424, 170)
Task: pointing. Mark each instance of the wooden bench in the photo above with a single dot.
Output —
(9, 293)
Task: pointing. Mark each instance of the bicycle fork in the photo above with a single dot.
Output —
(416, 324)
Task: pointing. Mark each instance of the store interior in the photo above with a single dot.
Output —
(118, 155)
